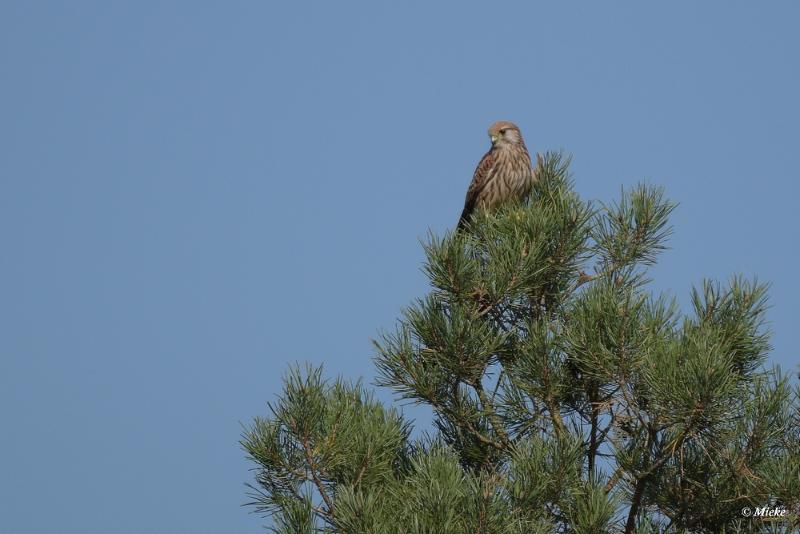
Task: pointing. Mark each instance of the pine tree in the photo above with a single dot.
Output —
(563, 401)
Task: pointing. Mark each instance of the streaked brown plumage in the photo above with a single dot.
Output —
(503, 173)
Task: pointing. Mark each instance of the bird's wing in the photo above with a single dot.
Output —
(483, 172)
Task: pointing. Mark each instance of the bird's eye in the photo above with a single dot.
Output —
(503, 131)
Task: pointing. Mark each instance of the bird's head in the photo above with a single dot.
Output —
(504, 133)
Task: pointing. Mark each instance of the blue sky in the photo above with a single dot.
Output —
(193, 195)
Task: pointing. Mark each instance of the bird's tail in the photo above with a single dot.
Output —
(463, 221)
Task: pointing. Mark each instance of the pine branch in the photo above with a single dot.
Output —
(489, 409)
(317, 481)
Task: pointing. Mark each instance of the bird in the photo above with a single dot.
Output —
(504, 172)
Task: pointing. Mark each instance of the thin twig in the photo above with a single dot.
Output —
(489, 409)
(317, 482)
(474, 431)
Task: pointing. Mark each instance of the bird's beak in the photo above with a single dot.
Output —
(493, 138)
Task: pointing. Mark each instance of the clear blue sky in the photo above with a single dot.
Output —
(193, 195)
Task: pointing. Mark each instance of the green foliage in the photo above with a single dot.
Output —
(563, 401)
(321, 438)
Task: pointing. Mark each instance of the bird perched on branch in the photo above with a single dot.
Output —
(503, 173)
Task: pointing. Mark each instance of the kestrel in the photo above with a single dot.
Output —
(503, 173)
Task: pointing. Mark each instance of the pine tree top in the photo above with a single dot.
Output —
(568, 397)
